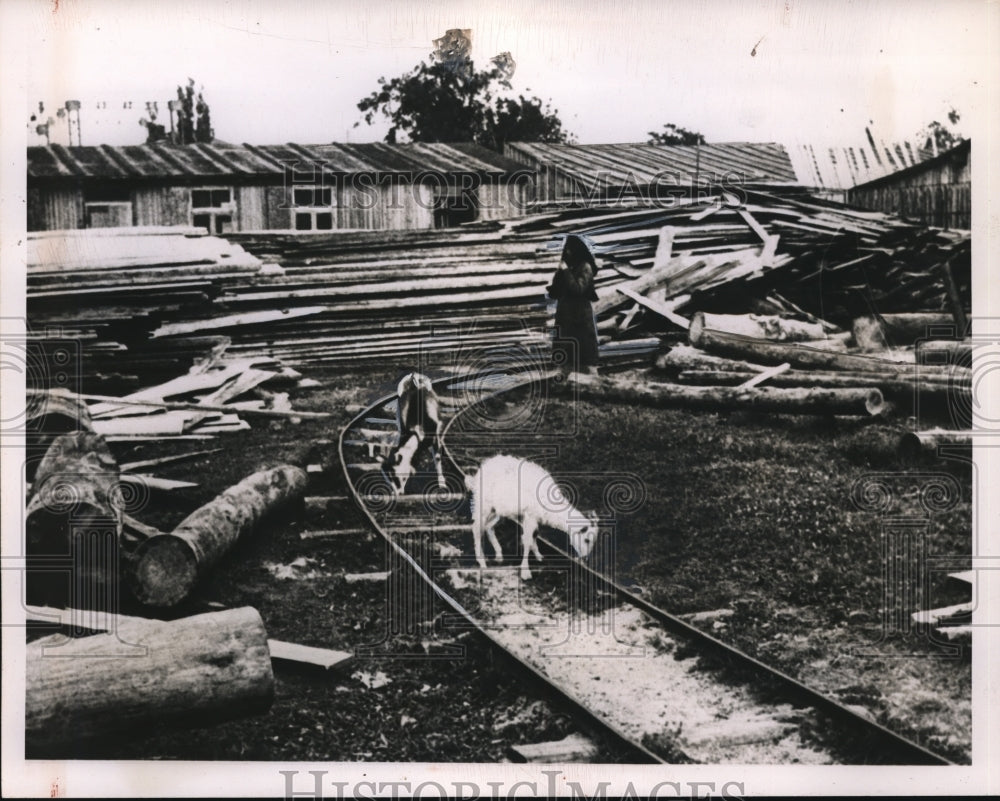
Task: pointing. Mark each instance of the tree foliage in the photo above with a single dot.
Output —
(675, 135)
(941, 136)
(193, 121)
(449, 100)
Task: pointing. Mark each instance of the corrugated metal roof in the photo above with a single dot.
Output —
(621, 164)
(218, 160)
(842, 167)
(943, 158)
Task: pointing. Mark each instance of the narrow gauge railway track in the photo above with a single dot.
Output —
(623, 668)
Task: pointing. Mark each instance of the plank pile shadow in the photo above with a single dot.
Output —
(144, 303)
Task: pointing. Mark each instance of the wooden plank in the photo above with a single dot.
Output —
(760, 378)
(439, 528)
(235, 320)
(168, 424)
(180, 457)
(157, 483)
(200, 407)
(933, 616)
(354, 578)
(662, 309)
(963, 633)
(324, 658)
(139, 528)
(572, 748)
(322, 534)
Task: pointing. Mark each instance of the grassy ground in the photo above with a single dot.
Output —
(792, 525)
(765, 516)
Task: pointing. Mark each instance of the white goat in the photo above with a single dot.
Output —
(418, 419)
(505, 486)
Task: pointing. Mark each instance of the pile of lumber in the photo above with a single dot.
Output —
(146, 303)
(211, 398)
(788, 304)
(772, 253)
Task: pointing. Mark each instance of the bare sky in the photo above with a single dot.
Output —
(294, 71)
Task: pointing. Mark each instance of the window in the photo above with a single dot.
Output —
(210, 198)
(108, 215)
(454, 206)
(107, 205)
(213, 209)
(312, 196)
(311, 208)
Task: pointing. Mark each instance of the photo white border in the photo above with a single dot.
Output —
(18, 30)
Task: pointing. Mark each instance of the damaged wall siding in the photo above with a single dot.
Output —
(937, 192)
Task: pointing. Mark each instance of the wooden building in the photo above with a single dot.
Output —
(935, 192)
(273, 187)
(587, 173)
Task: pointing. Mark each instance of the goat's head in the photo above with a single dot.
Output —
(583, 534)
(397, 470)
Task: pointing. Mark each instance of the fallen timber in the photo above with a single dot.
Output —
(706, 255)
(761, 351)
(202, 407)
(74, 516)
(165, 568)
(893, 388)
(143, 674)
(934, 441)
(382, 512)
(796, 400)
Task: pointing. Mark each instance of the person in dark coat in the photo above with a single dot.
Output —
(572, 287)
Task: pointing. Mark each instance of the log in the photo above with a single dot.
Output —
(907, 328)
(760, 326)
(687, 357)
(915, 443)
(194, 671)
(74, 512)
(572, 748)
(56, 412)
(165, 569)
(938, 351)
(863, 402)
(764, 352)
(894, 386)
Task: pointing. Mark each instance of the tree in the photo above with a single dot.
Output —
(449, 100)
(675, 135)
(192, 124)
(938, 136)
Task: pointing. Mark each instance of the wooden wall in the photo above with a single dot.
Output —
(389, 205)
(161, 205)
(54, 209)
(501, 201)
(939, 195)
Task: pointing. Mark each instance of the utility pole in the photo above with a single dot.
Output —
(73, 120)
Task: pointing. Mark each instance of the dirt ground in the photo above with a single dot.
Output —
(786, 523)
